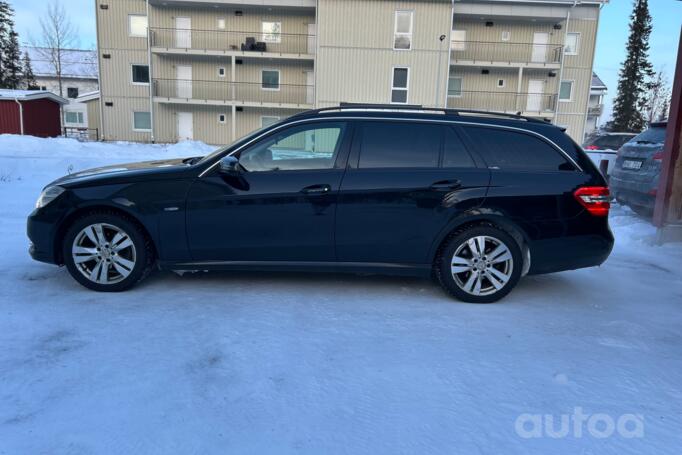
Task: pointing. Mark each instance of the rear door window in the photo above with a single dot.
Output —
(506, 149)
(455, 153)
(399, 145)
(654, 135)
(612, 142)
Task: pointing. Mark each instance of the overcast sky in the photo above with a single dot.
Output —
(613, 32)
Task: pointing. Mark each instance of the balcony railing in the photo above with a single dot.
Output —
(240, 92)
(595, 110)
(220, 40)
(531, 103)
(505, 52)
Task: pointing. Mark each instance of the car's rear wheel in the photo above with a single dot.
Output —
(481, 264)
(106, 252)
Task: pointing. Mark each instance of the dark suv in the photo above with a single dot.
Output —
(475, 199)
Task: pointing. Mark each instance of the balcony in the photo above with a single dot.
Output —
(179, 91)
(530, 104)
(220, 42)
(238, 3)
(505, 54)
(596, 110)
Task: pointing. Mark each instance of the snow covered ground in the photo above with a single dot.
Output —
(294, 363)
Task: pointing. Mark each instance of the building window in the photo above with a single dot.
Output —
(402, 39)
(222, 118)
(566, 91)
(221, 71)
(43, 88)
(455, 87)
(140, 74)
(501, 83)
(572, 43)
(272, 32)
(270, 79)
(137, 26)
(221, 23)
(73, 117)
(458, 41)
(72, 92)
(506, 35)
(142, 121)
(400, 85)
(268, 120)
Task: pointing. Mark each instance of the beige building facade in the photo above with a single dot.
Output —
(216, 70)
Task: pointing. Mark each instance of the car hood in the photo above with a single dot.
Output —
(123, 171)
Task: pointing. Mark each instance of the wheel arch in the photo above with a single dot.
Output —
(97, 208)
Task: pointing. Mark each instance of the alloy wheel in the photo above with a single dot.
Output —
(104, 253)
(482, 265)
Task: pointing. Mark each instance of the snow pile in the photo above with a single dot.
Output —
(303, 363)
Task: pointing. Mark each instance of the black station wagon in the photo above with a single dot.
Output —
(475, 199)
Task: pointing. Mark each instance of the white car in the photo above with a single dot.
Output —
(604, 147)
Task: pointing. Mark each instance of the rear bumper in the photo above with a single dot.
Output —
(631, 192)
(572, 252)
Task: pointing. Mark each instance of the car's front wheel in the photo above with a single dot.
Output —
(106, 252)
(481, 264)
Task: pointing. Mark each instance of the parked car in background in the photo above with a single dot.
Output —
(605, 146)
(634, 179)
(477, 199)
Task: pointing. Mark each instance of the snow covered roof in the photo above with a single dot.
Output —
(76, 63)
(90, 96)
(597, 83)
(29, 95)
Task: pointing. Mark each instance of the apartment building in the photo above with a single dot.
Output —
(215, 70)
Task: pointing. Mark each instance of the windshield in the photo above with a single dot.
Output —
(654, 135)
(614, 141)
(236, 143)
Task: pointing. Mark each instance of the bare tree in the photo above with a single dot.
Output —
(658, 96)
(57, 36)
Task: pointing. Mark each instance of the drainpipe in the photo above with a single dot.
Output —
(151, 79)
(587, 104)
(563, 62)
(447, 79)
(21, 115)
(440, 57)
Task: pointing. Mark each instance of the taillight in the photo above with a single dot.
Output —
(591, 147)
(596, 199)
(658, 156)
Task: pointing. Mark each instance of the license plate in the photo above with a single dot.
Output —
(630, 164)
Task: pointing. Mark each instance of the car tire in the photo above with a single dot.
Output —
(471, 275)
(107, 252)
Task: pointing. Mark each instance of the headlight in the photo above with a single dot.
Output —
(48, 195)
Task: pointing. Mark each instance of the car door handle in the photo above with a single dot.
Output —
(316, 189)
(446, 185)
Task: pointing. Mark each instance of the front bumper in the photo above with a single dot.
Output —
(41, 230)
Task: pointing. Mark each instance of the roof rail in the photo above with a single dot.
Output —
(415, 107)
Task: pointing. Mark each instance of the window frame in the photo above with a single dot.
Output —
(341, 149)
(504, 83)
(406, 88)
(224, 120)
(462, 43)
(506, 33)
(130, 26)
(279, 79)
(461, 85)
(570, 98)
(397, 34)
(578, 37)
(224, 70)
(221, 23)
(69, 89)
(139, 130)
(263, 34)
(80, 117)
(132, 80)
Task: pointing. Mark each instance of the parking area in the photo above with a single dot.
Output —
(316, 363)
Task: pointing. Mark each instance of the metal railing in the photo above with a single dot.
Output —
(222, 40)
(81, 133)
(234, 91)
(595, 110)
(533, 103)
(505, 51)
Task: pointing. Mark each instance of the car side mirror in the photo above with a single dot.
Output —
(229, 165)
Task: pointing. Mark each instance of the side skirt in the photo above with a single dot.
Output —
(380, 268)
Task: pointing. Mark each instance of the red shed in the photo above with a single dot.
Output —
(31, 112)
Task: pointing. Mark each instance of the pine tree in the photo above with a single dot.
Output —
(630, 104)
(29, 79)
(10, 55)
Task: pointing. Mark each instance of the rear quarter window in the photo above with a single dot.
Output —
(506, 149)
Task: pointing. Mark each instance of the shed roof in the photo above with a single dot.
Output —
(30, 95)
